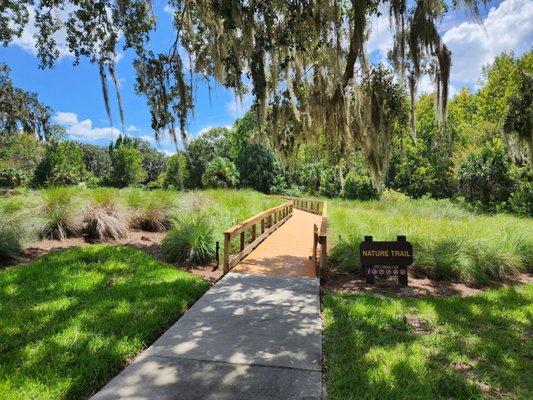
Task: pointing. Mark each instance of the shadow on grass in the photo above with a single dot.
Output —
(71, 320)
(477, 346)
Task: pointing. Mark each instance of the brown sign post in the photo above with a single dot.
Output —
(386, 258)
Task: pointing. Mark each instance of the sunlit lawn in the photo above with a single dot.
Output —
(71, 320)
(472, 348)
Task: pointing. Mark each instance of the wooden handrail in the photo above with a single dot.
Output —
(323, 240)
(270, 220)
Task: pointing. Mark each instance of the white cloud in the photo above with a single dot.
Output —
(148, 138)
(66, 118)
(169, 9)
(28, 41)
(84, 130)
(132, 128)
(508, 27)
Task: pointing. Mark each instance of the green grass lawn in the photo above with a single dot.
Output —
(72, 319)
(473, 348)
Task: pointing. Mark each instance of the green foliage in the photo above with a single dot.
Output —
(358, 185)
(257, 166)
(484, 178)
(12, 178)
(19, 156)
(220, 173)
(330, 185)
(91, 310)
(60, 212)
(97, 161)
(428, 348)
(11, 234)
(22, 110)
(424, 167)
(178, 173)
(127, 163)
(204, 149)
(62, 165)
(191, 240)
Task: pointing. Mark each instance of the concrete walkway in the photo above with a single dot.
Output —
(249, 337)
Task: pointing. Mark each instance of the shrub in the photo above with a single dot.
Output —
(22, 152)
(359, 186)
(12, 178)
(127, 163)
(151, 211)
(60, 213)
(97, 161)
(258, 167)
(191, 240)
(393, 196)
(220, 173)
(105, 217)
(62, 165)
(484, 178)
(10, 236)
(330, 185)
(178, 173)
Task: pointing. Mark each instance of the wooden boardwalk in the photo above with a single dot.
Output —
(286, 251)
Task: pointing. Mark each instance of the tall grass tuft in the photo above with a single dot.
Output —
(152, 211)
(191, 240)
(10, 237)
(106, 217)
(449, 242)
(60, 213)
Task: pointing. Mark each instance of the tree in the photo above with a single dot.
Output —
(485, 179)
(177, 174)
(21, 111)
(97, 161)
(62, 165)
(22, 152)
(220, 173)
(127, 163)
(202, 150)
(305, 60)
(519, 118)
(258, 167)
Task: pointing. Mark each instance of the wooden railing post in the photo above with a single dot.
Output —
(226, 252)
(242, 240)
(254, 232)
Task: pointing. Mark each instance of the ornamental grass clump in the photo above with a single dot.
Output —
(11, 236)
(191, 240)
(106, 217)
(449, 243)
(152, 211)
(60, 213)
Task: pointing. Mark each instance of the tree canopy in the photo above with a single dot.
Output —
(305, 59)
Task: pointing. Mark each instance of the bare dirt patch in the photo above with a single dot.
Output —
(146, 241)
(419, 286)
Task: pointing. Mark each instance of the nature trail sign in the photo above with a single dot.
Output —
(386, 258)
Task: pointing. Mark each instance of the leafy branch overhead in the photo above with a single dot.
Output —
(305, 60)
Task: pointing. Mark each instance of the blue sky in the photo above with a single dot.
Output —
(74, 92)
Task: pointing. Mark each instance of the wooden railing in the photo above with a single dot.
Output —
(268, 221)
(313, 206)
